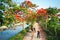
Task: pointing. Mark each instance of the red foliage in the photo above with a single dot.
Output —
(16, 16)
(34, 16)
(41, 11)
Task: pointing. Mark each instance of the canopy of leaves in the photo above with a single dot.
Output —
(51, 11)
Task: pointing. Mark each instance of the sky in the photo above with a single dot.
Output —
(42, 3)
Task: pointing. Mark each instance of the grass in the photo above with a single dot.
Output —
(20, 35)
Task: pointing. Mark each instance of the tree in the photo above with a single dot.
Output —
(41, 18)
(4, 4)
(9, 17)
(1, 18)
(51, 11)
(52, 23)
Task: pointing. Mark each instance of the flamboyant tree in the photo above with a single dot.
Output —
(42, 17)
(24, 7)
(27, 4)
(41, 13)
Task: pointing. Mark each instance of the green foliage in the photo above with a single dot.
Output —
(9, 17)
(53, 38)
(53, 22)
(51, 11)
(53, 29)
(52, 25)
(1, 18)
(2, 7)
(3, 4)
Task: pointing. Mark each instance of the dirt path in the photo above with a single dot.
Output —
(29, 34)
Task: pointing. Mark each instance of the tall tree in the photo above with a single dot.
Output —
(52, 19)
